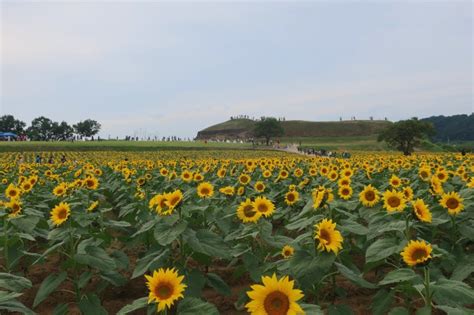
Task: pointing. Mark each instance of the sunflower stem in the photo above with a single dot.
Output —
(427, 287)
(407, 228)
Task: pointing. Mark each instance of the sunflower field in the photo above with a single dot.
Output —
(236, 232)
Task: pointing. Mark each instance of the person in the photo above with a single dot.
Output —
(51, 160)
(63, 159)
(38, 159)
(463, 151)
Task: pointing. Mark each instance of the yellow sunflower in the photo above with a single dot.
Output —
(205, 190)
(26, 186)
(165, 287)
(60, 190)
(369, 197)
(244, 179)
(292, 197)
(453, 202)
(329, 238)
(274, 297)
(60, 213)
(187, 176)
(264, 206)
(91, 183)
(416, 252)
(394, 200)
(247, 213)
(408, 192)
(12, 191)
(395, 181)
(345, 192)
(173, 199)
(93, 206)
(227, 190)
(287, 251)
(259, 186)
(15, 207)
(421, 211)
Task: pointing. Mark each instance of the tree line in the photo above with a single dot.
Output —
(452, 128)
(44, 129)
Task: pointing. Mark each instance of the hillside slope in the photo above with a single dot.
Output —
(242, 128)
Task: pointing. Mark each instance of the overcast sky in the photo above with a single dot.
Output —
(174, 68)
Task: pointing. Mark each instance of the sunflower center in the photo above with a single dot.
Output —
(12, 193)
(452, 203)
(345, 191)
(370, 195)
(393, 201)
(325, 236)
(291, 197)
(249, 212)
(205, 191)
(174, 201)
(262, 207)
(419, 253)
(287, 253)
(276, 303)
(163, 290)
(62, 213)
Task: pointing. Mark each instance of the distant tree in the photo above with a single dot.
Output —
(268, 127)
(41, 129)
(404, 135)
(8, 123)
(87, 128)
(62, 131)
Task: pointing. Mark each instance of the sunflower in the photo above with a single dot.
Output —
(205, 190)
(247, 213)
(421, 211)
(198, 177)
(321, 196)
(244, 179)
(274, 297)
(344, 181)
(408, 193)
(60, 190)
(436, 186)
(93, 206)
(424, 173)
(287, 251)
(60, 213)
(345, 192)
(227, 190)
(329, 238)
(394, 200)
(141, 181)
(91, 183)
(416, 252)
(369, 197)
(267, 173)
(221, 172)
(395, 181)
(15, 207)
(442, 175)
(292, 197)
(333, 175)
(173, 199)
(453, 202)
(264, 206)
(259, 186)
(165, 287)
(470, 184)
(164, 171)
(12, 191)
(26, 186)
(187, 176)
(283, 174)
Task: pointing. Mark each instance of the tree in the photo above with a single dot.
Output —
(404, 135)
(8, 123)
(267, 128)
(62, 131)
(41, 129)
(87, 128)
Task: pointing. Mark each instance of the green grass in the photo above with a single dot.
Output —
(117, 146)
(357, 143)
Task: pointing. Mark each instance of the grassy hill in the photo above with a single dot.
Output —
(242, 128)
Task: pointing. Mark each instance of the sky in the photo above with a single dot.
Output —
(149, 68)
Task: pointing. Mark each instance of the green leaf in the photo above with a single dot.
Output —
(193, 306)
(12, 305)
(14, 283)
(353, 227)
(144, 263)
(90, 304)
(60, 309)
(195, 281)
(96, 257)
(452, 293)
(311, 309)
(166, 234)
(8, 296)
(48, 286)
(356, 278)
(426, 310)
(217, 283)
(454, 310)
(208, 243)
(340, 309)
(463, 269)
(382, 301)
(136, 305)
(381, 249)
(398, 275)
